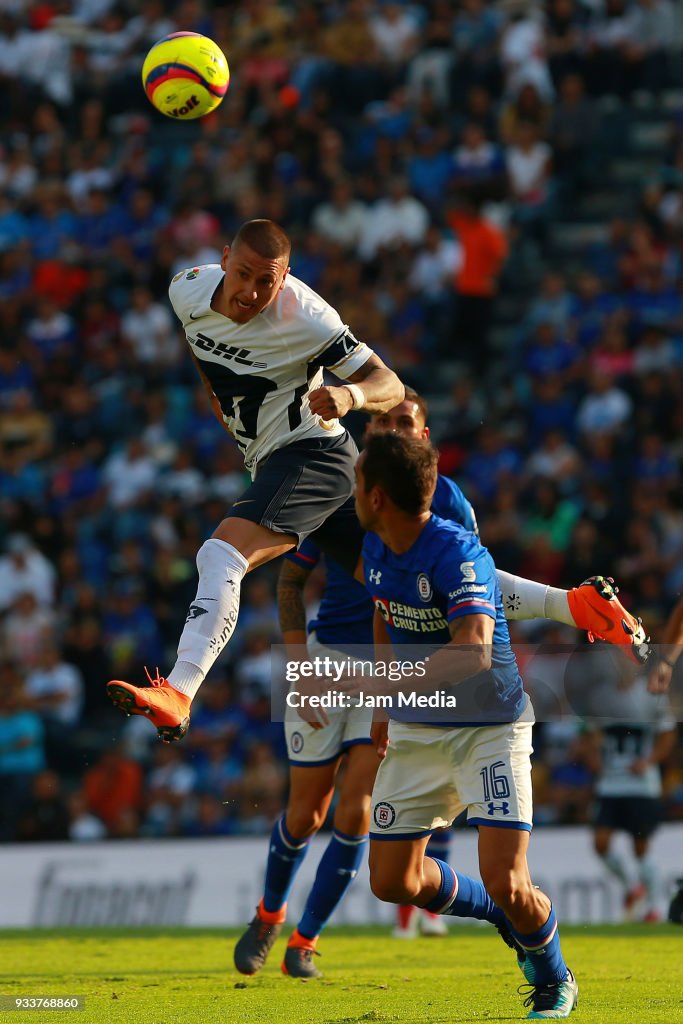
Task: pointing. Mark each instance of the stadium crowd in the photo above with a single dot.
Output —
(424, 159)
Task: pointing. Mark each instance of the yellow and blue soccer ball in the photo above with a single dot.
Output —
(185, 75)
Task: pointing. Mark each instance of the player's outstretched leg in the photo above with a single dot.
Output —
(285, 856)
(592, 606)
(338, 867)
(531, 922)
(413, 921)
(210, 623)
(596, 608)
(461, 896)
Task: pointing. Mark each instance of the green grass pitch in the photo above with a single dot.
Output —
(626, 974)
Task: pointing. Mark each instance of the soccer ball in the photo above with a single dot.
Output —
(185, 75)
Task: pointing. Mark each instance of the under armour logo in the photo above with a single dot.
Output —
(195, 611)
(503, 807)
(513, 602)
(375, 575)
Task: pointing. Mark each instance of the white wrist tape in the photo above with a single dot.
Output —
(357, 396)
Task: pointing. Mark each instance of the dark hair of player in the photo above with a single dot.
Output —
(265, 237)
(404, 468)
(420, 402)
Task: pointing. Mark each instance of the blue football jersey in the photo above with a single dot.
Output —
(446, 574)
(345, 612)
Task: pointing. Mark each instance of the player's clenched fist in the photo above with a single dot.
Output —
(330, 403)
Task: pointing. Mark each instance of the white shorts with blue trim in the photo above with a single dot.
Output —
(430, 775)
(348, 727)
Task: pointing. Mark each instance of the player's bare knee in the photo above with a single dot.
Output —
(392, 890)
(352, 815)
(304, 821)
(508, 890)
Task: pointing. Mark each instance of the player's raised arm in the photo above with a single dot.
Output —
(659, 678)
(372, 387)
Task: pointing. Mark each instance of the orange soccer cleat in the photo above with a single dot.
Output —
(167, 708)
(298, 961)
(597, 609)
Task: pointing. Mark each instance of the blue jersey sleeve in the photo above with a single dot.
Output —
(307, 555)
(451, 504)
(466, 578)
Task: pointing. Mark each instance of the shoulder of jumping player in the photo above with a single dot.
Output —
(191, 290)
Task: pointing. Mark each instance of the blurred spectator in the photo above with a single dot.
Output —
(83, 826)
(528, 107)
(168, 784)
(605, 409)
(556, 460)
(22, 753)
(113, 790)
(475, 41)
(341, 219)
(477, 160)
(27, 627)
(55, 689)
(45, 817)
(574, 134)
(399, 219)
(130, 475)
(147, 327)
(484, 249)
(529, 166)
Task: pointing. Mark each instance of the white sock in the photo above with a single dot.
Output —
(615, 866)
(212, 616)
(649, 876)
(526, 599)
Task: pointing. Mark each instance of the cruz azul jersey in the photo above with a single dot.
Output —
(261, 371)
(345, 612)
(445, 575)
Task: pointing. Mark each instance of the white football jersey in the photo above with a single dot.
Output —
(630, 719)
(261, 372)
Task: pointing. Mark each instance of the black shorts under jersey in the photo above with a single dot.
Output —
(306, 488)
(637, 815)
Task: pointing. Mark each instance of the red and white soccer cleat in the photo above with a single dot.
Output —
(167, 708)
(597, 609)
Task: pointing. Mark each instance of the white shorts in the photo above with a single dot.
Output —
(307, 746)
(431, 775)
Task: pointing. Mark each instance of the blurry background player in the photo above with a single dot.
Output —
(669, 651)
(260, 339)
(343, 618)
(476, 757)
(631, 734)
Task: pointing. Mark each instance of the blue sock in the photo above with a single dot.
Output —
(439, 845)
(284, 859)
(462, 896)
(337, 869)
(544, 964)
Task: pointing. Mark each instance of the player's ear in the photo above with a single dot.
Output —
(425, 433)
(284, 278)
(224, 257)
